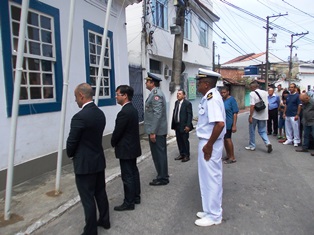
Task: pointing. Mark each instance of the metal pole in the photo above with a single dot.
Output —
(267, 48)
(64, 96)
(15, 108)
(102, 53)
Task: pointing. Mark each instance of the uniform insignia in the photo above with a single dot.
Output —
(155, 91)
(156, 97)
(209, 96)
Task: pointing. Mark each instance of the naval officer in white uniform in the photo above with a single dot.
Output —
(210, 130)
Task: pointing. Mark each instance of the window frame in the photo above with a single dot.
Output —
(203, 31)
(153, 64)
(31, 106)
(188, 25)
(157, 4)
(90, 27)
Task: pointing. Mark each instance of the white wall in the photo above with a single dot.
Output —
(37, 134)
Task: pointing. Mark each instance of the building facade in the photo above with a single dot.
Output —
(42, 75)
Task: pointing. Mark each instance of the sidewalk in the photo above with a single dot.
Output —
(35, 204)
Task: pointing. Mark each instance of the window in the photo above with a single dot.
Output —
(160, 13)
(93, 40)
(155, 66)
(41, 82)
(203, 33)
(187, 25)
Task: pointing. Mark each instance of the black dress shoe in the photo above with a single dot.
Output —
(124, 207)
(159, 182)
(137, 200)
(179, 158)
(104, 225)
(302, 150)
(185, 159)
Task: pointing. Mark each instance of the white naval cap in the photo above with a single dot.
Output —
(205, 73)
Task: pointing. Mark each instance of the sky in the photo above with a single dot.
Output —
(246, 34)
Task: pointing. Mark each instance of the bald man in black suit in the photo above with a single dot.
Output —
(84, 146)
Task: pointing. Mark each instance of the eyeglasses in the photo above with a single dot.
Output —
(120, 94)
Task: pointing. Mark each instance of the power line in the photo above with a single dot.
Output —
(262, 19)
(298, 9)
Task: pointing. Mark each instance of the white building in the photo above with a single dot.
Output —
(151, 43)
(42, 78)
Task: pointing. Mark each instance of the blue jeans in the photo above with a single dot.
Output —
(307, 131)
(261, 128)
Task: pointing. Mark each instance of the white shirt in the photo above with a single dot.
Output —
(210, 111)
(261, 115)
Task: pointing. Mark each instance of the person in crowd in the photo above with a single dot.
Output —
(291, 114)
(258, 118)
(308, 121)
(84, 146)
(231, 108)
(279, 91)
(182, 124)
(210, 131)
(281, 123)
(155, 125)
(273, 104)
(126, 141)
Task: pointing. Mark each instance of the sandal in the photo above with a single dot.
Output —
(225, 158)
(229, 161)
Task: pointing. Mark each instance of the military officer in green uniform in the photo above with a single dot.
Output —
(155, 124)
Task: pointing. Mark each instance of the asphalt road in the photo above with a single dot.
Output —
(263, 194)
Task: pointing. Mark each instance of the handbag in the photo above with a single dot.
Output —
(259, 106)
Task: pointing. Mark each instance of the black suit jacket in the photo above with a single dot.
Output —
(126, 136)
(186, 116)
(84, 143)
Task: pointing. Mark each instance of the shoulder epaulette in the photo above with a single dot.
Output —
(209, 96)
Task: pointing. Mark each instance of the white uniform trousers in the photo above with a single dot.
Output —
(292, 129)
(210, 178)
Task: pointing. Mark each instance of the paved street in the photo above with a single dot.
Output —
(263, 194)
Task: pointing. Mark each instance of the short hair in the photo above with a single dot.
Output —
(125, 89)
(293, 85)
(183, 92)
(86, 90)
(225, 88)
(254, 84)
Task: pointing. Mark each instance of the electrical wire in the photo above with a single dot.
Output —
(298, 9)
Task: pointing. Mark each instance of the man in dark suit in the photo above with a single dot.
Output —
(84, 146)
(182, 124)
(126, 140)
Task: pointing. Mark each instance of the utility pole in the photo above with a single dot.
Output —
(218, 63)
(267, 46)
(291, 47)
(214, 56)
(178, 45)
(178, 30)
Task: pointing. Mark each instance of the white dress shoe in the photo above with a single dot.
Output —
(201, 214)
(287, 142)
(206, 222)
